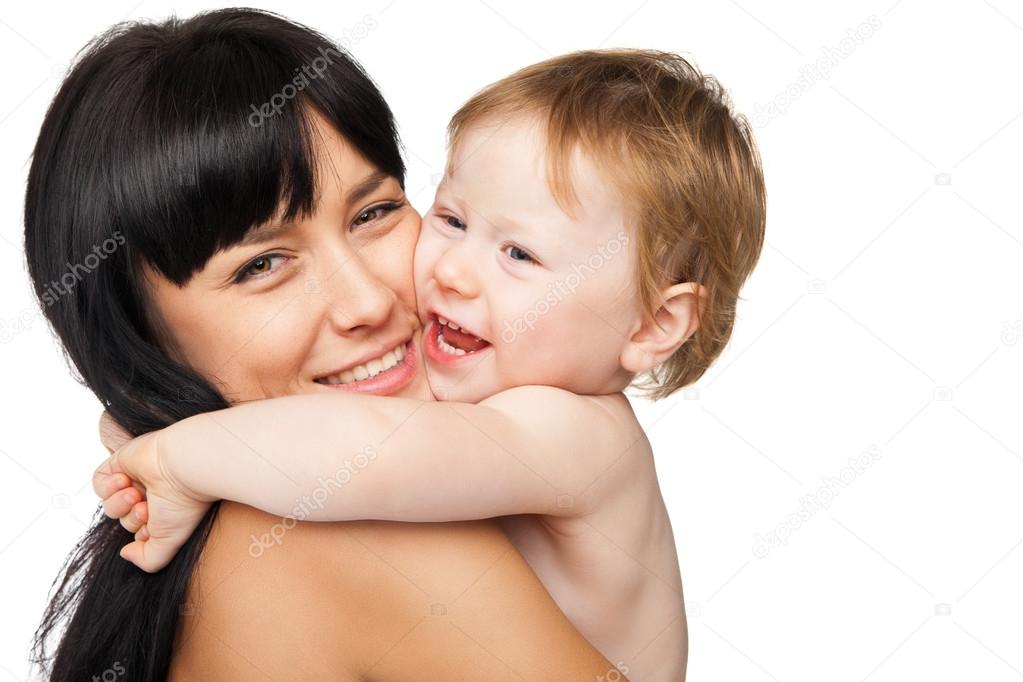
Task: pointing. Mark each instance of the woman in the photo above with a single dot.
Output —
(164, 148)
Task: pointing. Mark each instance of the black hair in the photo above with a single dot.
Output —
(166, 142)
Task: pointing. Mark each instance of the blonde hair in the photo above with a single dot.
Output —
(687, 167)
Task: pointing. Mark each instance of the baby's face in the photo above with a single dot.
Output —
(512, 290)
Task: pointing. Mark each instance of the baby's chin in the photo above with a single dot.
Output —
(461, 387)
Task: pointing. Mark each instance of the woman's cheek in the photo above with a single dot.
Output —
(391, 258)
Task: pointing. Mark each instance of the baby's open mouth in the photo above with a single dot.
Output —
(454, 340)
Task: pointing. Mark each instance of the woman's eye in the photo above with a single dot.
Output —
(515, 253)
(455, 222)
(375, 213)
(366, 216)
(258, 267)
(369, 216)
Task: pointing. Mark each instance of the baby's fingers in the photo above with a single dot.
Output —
(119, 503)
(138, 517)
(105, 482)
(150, 555)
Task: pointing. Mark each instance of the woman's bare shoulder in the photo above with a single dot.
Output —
(362, 600)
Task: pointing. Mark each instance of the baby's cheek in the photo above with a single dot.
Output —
(544, 351)
(424, 259)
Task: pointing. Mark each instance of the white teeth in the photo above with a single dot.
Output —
(370, 369)
(447, 347)
(444, 345)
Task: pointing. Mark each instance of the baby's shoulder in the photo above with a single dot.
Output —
(602, 429)
(559, 402)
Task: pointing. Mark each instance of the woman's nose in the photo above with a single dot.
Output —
(357, 298)
(454, 272)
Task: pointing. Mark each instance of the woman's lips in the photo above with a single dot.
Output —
(431, 344)
(389, 381)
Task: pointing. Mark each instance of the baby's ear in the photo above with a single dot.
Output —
(677, 318)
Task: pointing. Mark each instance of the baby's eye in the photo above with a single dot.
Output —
(515, 253)
(455, 222)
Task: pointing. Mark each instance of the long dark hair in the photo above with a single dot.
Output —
(165, 143)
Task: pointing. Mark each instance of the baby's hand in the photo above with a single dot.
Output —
(136, 488)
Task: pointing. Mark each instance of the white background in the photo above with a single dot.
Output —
(886, 312)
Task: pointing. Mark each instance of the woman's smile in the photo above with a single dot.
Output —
(383, 374)
(356, 330)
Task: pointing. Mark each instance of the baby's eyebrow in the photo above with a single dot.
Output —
(507, 225)
(499, 223)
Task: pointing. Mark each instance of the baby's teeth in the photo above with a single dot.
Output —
(399, 352)
(448, 348)
(453, 325)
(442, 320)
(347, 377)
(360, 373)
(375, 367)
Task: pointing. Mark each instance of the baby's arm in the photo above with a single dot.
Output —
(348, 456)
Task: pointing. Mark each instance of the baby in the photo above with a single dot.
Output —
(598, 216)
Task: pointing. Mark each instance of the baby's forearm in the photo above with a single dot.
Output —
(344, 456)
(290, 456)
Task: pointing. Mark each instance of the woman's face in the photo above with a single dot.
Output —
(321, 304)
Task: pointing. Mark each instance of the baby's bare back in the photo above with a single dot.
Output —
(613, 568)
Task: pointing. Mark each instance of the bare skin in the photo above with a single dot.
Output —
(339, 601)
(373, 601)
(572, 474)
(575, 485)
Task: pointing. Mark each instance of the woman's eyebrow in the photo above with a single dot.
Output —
(264, 234)
(357, 193)
(366, 187)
